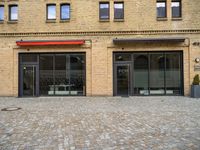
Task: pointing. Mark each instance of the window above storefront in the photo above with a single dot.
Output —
(13, 12)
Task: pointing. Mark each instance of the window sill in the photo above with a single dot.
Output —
(118, 20)
(63, 21)
(177, 19)
(104, 20)
(162, 19)
(50, 21)
(12, 22)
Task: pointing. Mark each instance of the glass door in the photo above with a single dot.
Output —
(29, 80)
(148, 73)
(122, 79)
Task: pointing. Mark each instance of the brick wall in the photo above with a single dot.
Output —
(140, 22)
(139, 15)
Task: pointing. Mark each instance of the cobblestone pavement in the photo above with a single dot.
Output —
(100, 123)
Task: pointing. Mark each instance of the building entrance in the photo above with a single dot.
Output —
(148, 73)
(122, 79)
(47, 74)
(29, 80)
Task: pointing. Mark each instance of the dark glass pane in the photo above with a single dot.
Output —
(77, 74)
(123, 80)
(65, 12)
(51, 9)
(123, 57)
(157, 67)
(176, 10)
(29, 58)
(29, 81)
(46, 75)
(104, 10)
(1, 13)
(66, 78)
(141, 68)
(61, 75)
(173, 73)
(13, 12)
(60, 62)
(161, 9)
(119, 10)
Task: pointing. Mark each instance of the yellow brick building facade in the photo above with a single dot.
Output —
(140, 32)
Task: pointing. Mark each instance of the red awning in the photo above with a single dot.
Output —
(47, 43)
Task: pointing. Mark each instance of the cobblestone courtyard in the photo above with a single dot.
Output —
(108, 123)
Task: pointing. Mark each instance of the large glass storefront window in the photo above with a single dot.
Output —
(141, 69)
(77, 75)
(63, 75)
(58, 74)
(46, 75)
(152, 73)
(173, 74)
(156, 74)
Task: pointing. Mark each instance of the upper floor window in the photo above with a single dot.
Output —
(161, 9)
(1, 12)
(65, 11)
(104, 9)
(13, 12)
(118, 10)
(176, 8)
(51, 11)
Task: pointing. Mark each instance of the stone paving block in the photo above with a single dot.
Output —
(96, 123)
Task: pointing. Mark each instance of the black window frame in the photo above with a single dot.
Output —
(161, 1)
(119, 2)
(38, 64)
(106, 2)
(9, 12)
(148, 53)
(3, 12)
(63, 4)
(47, 11)
(180, 10)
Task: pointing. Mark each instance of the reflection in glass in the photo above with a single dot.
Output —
(176, 9)
(161, 9)
(13, 9)
(29, 58)
(157, 70)
(29, 81)
(119, 10)
(123, 80)
(153, 73)
(51, 10)
(46, 75)
(141, 68)
(1, 13)
(104, 10)
(65, 11)
(61, 75)
(123, 57)
(77, 74)
(173, 74)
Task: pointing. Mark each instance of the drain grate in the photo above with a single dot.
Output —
(11, 109)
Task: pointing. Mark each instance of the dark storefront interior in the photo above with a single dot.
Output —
(52, 74)
(135, 73)
(148, 73)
